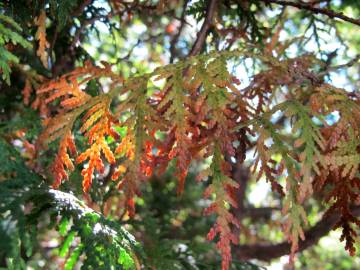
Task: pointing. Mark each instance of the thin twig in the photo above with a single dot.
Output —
(310, 7)
(176, 37)
(86, 23)
(139, 41)
(346, 65)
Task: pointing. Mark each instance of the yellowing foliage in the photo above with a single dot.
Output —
(41, 37)
(202, 112)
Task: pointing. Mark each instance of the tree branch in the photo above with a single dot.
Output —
(85, 23)
(176, 37)
(316, 10)
(81, 8)
(267, 252)
(259, 212)
(202, 34)
(351, 63)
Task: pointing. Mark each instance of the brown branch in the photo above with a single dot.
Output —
(76, 13)
(176, 37)
(81, 8)
(85, 23)
(202, 34)
(354, 61)
(241, 175)
(267, 252)
(259, 212)
(310, 7)
(139, 41)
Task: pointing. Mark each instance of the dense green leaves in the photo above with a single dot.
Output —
(104, 243)
(9, 35)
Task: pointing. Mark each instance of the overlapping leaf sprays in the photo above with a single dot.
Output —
(202, 112)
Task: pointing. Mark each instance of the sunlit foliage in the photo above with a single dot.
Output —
(123, 124)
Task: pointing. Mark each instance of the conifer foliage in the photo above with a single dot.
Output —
(82, 231)
(122, 129)
(199, 109)
(10, 35)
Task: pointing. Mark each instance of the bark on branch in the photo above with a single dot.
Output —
(177, 36)
(310, 7)
(267, 252)
(202, 34)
